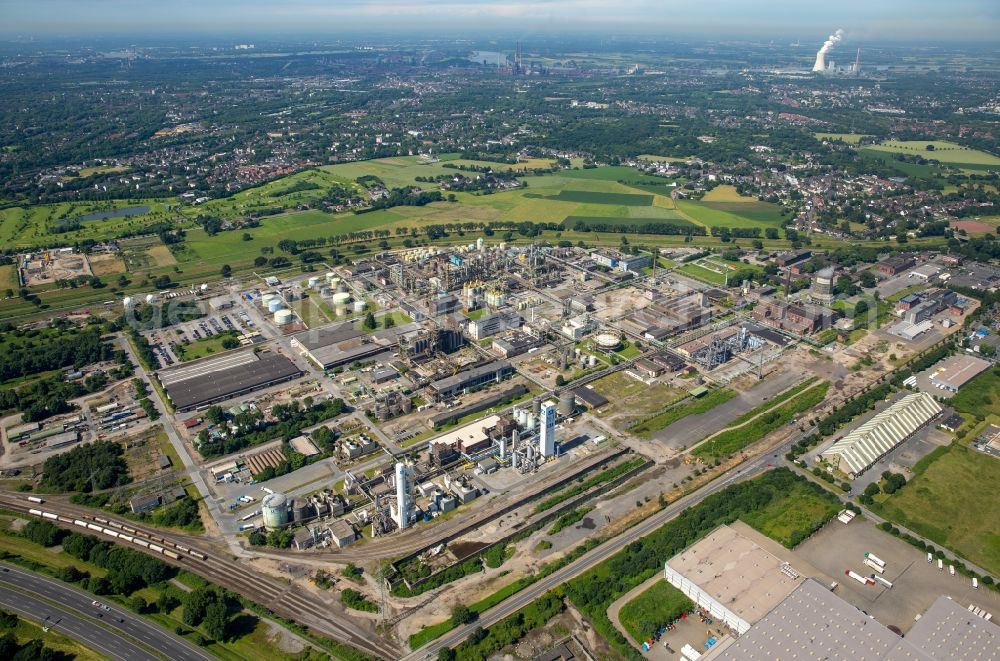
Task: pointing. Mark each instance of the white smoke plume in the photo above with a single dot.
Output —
(831, 41)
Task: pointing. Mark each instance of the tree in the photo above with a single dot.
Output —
(369, 322)
(446, 654)
(167, 602)
(388, 321)
(138, 604)
(461, 614)
(215, 415)
(196, 605)
(560, 380)
(260, 261)
(216, 619)
(230, 342)
(247, 237)
(226, 271)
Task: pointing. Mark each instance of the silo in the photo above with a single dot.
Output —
(340, 309)
(300, 510)
(567, 404)
(341, 286)
(274, 508)
(592, 361)
(275, 304)
(479, 243)
(331, 276)
(127, 302)
(282, 317)
(536, 406)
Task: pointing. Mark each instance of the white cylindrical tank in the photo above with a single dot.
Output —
(341, 298)
(340, 309)
(274, 508)
(150, 298)
(204, 286)
(313, 281)
(275, 304)
(127, 302)
(331, 276)
(592, 361)
(359, 307)
(267, 298)
(282, 317)
(479, 243)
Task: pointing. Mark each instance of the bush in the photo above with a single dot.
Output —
(461, 614)
(43, 532)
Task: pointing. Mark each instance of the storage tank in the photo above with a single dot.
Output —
(536, 405)
(341, 298)
(150, 298)
(340, 309)
(479, 243)
(567, 404)
(267, 298)
(341, 286)
(313, 281)
(127, 302)
(275, 304)
(274, 508)
(359, 307)
(608, 340)
(282, 317)
(300, 510)
(331, 276)
(592, 361)
(204, 287)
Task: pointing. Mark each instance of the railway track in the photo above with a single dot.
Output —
(278, 597)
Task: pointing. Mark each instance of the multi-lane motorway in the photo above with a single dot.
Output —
(277, 596)
(115, 633)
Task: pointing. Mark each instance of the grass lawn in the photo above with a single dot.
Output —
(655, 607)
(701, 273)
(954, 501)
(672, 414)
(980, 396)
(594, 197)
(206, 346)
(26, 227)
(793, 518)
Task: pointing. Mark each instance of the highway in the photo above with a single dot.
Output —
(116, 633)
(745, 471)
(280, 597)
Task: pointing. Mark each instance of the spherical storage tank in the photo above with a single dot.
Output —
(282, 317)
(275, 304)
(275, 510)
(127, 302)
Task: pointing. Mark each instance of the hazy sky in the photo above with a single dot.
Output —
(866, 20)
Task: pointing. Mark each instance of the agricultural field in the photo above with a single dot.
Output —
(954, 501)
(8, 277)
(593, 197)
(948, 153)
(397, 172)
(723, 207)
(656, 606)
(106, 264)
(797, 515)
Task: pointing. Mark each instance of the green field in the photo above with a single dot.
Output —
(28, 227)
(593, 197)
(694, 406)
(655, 607)
(804, 510)
(979, 397)
(954, 501)
(732, 214)
(206, 346)
(949, 153)
(668, 218)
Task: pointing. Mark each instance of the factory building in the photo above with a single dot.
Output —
(858, 450)
(732, 577)
(954, 372)
(342, 344)
(450, 386)
(547, 430)
(204, 382)
(492, 324)
(614, 259)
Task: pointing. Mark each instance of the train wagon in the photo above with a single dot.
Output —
(35, 512)
(171, 554)
(95, 527)
(101, 519)
(124, 537)
(156, 547)
(110, 533)
(50, 515)
(141, 542)
(35, 499)
(64, 519)
(199, 555)
(78, 522)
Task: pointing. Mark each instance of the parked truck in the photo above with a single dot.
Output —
(874, 558)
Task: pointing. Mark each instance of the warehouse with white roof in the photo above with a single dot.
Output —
(856, 452)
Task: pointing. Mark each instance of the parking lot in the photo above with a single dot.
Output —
(165, 341)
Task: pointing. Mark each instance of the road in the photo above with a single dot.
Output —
(117, 633)
(322, 616)
(597, 555)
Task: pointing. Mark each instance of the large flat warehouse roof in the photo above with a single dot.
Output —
(736, 572)
(214, 380)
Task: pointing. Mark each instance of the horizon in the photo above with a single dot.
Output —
(895, 21)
